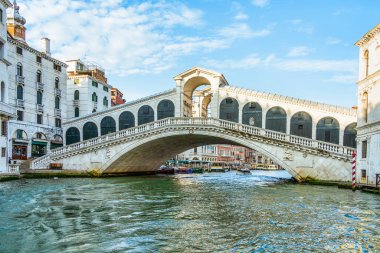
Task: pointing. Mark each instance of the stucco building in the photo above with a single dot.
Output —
(368, 138)
(117, 97)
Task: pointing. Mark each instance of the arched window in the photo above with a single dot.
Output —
(328, 130)
(90, 130)
(39, 97)
(39, 77)
(56, 83)
(145, 114)
(107, 125)
(276, 119)
(252, 114)
(76, 95)
(2, 92)
(19, 69)
(20, 92)
(301, 125)
(349, 139)
(94, 97)
(72, 135)
(105, 101)
(76, 112)
(365, 107)
(366, 60)
(229, 110)
(126, 120)
(165, 109)
(57, 103)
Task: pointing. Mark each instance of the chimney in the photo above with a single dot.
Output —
(46, 46)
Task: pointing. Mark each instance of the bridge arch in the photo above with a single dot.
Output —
(276, 119)
(229, 109)
(107, 125)
(126, 120)
(145, 114)
(301, 124)
(90, 130)
(252, 114)
(188, 89)
(328, 130)
(72, 135)
(349, 138)
(165, 109)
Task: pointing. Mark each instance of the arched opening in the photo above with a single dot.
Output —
(76, 112)
(20, 92)
(39, 97)
(56, 83)
(252, 114)
(165, 109)
(229, 110)
(56, 142)
(349, 139)
(57, 103)
(301, 124)
(126, 120)
(2, 92)
(365, 107)
(194, 92)
(366, 62)
(90, 130)
(94, 97)
(39, 77)
(19, 69)
(145, 114)
(105, 102)
(20, 145)
(76, 95)
(107, 125)
(72, 135)
(276, 119)
(328, 130)
(39, 145)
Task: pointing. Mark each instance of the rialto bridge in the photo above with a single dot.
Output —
(309, 139)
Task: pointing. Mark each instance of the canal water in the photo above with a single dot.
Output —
(213, 212)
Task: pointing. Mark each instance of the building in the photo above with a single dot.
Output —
(6, 112)
(87, 89)
(207, 153)
(368, 128)
(116, 97)
(37, 88)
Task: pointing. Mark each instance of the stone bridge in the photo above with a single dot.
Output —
(307, 138)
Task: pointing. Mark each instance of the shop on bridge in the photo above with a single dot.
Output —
(20, 145)
(39, 145)
(56, 142)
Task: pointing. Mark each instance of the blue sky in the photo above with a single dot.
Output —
(295, 48)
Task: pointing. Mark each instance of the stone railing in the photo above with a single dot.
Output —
(346, 152)
(13, 168)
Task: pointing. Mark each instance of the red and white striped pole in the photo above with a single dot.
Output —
(353, 161)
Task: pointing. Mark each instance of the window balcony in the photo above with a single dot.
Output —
(95, 105)
(20, 103)
(40, 108)
(57, 92)
(39, 86)
(57, 112)
(20, 80)
(76, 103)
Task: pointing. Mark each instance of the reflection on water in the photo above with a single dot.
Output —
(225, 212)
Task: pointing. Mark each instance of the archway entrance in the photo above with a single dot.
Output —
(196, 97)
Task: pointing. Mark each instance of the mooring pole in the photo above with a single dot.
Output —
(353, 171)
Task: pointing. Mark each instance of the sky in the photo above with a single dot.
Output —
(304, 49)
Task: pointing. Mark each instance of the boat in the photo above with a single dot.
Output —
(165, 170)
(218, 167)
(184, 170)
(198, 166)
(244, 171)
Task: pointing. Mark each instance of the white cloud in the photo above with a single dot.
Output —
(299, 51)
(123, 39)
(241, 16)
(332, 41)
(248, 62)
(260, 3)
(242, 30)
(343, 78)
(301, 26)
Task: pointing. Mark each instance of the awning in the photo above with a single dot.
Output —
(39, 143)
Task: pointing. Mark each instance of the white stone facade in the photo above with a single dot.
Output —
(368, 152)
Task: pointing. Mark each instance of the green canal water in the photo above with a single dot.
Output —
(216, 212)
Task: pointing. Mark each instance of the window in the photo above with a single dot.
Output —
(95, 84)
(94, 97)
(19, 50)
(105, 88)
(20, 115)
(364, 174)
(58, 122)
(3, 152)
(1, 16)
(56, 83)
(76, 95)
(38, 59)
(4, 128)
(366, 59)
(19, 69)
(39, 118)
(1, 50)
(365, 107)
(39, 77)
(57, 67)
(76, 112)
(112, 93)
(105, 101)
(2, 91)
(20, 92)
(57, 102)
(364, 149)
(39, 97)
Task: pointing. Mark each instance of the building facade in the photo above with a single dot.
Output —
(117, 97)
(37, 88)
(368, 138)
(87, 89)
(7, 112)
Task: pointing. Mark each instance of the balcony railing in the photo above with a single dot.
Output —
(76, 103)
(39, 86)
(20, 80)
(95, 105)
(40, 108)
(57, 112)
(57, 92)
(20, 103)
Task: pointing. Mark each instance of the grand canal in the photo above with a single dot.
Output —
(263, 212)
